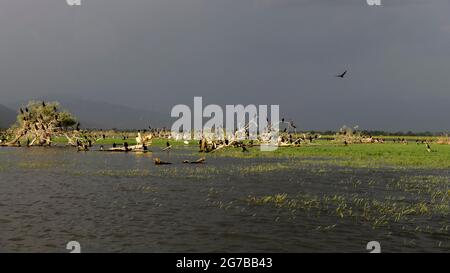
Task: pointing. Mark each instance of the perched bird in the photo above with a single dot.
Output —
(291, 123)
(244, 149)
(342, 75)
(83, 148)
(78, 127)
(43, 104)
(26, 109)
(21, 111)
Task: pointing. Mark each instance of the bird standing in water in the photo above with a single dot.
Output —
(168, 146)
(428, 147)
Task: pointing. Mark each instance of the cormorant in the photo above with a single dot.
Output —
(244, 149)
(342, 75)
(291, 123)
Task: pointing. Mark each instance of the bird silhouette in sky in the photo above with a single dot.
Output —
(342, 75)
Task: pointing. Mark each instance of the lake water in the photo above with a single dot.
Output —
(122, 202)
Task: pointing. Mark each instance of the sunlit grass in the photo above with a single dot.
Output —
(360, 155)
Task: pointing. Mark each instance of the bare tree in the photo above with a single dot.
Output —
(39, 122)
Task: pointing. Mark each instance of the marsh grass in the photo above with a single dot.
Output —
(198, 173)
(376, 212)
(412, 200)
(36, 165)
(398, 156)
(123, 187)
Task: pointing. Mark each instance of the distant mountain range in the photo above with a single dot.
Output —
(103, 115)
(7, 117)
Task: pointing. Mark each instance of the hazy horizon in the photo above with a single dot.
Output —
(158, 53)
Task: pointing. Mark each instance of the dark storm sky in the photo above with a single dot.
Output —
(158, 53)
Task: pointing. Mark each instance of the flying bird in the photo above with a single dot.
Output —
(342, 75)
